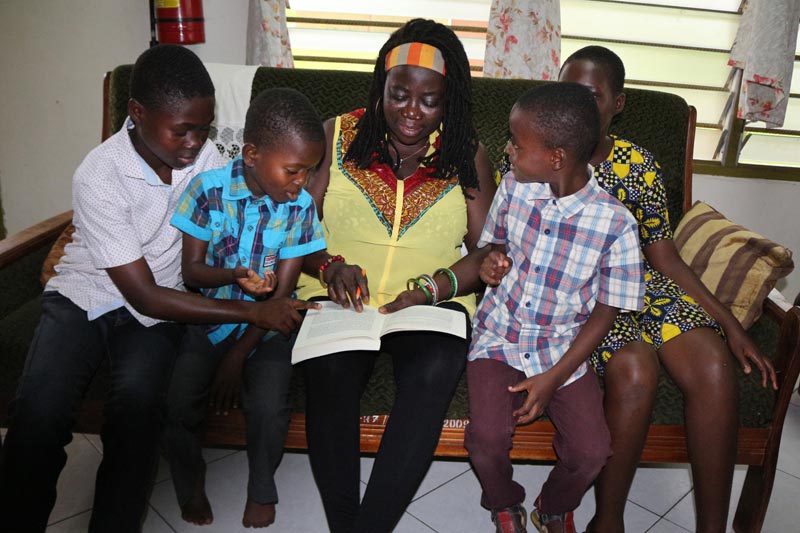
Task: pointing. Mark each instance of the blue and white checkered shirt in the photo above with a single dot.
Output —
(240, 229)
(567, 253)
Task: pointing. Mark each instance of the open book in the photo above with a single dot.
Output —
(334, 329)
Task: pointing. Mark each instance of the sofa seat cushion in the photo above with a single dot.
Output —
(755, 402)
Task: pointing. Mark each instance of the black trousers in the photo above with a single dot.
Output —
(427, 367)
(65, 352)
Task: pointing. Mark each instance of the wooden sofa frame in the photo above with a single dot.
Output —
(757, 447)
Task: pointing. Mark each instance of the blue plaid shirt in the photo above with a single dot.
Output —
(240, 229)
(567, 253)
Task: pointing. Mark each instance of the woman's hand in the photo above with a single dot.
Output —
(346, 284)
(540, 389)
(403, 300)
(745, 351)
(253, 284)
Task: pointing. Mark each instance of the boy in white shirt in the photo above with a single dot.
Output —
(117, 284)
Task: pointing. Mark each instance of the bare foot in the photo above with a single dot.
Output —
(258, 514)
(198, 509)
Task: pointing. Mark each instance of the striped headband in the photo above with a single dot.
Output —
(416, 54)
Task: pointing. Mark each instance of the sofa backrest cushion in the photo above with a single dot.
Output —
(655, 120)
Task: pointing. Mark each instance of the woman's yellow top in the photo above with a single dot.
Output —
(394, 229)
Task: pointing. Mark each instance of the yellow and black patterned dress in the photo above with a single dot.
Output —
(633, 176)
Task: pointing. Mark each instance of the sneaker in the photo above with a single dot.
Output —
(553, 523)
(510, 519)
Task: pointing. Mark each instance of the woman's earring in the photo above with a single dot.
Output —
(378, 105)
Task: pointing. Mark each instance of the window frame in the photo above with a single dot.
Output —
(730, 127)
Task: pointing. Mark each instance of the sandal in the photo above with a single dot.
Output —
(510, 519)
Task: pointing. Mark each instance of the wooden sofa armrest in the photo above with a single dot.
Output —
(787, 353)
(757, 488)
(21, 244)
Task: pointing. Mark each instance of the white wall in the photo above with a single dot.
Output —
(767, 207)
(52, 58)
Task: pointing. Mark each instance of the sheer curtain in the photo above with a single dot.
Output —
(267, 35)
(523, 39)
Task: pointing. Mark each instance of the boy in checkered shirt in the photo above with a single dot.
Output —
(565, 259)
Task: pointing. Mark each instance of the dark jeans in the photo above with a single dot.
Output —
(66, 351)
(265, 400)
(582, 442)
(427, 367)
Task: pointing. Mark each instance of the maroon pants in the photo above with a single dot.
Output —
(582, 442)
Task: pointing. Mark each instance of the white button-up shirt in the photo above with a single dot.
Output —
(122, 212)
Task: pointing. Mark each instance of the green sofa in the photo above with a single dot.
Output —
(660, 121)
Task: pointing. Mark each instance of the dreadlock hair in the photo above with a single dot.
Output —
(605, 59)
(459, 139)
(167, 74)
(276, 114)
(564, 115)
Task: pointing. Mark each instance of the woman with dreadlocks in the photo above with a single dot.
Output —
(404, 184)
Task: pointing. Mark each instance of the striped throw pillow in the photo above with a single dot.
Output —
(740, 267)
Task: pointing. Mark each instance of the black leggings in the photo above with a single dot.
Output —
(427, 367)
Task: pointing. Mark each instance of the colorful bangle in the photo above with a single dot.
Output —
(432, 287)
(453, 280)
(328, 262)
(413, 283)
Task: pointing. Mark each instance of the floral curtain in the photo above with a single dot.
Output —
(764, 50)
(523, 39)
(267, 34)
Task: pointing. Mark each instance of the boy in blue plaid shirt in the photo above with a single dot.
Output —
(246, 229)
(565, 259)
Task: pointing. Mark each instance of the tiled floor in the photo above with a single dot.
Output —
(447, 501)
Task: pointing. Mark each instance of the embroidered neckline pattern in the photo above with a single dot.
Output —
(378, 183)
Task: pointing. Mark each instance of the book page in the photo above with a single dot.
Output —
(332, 328)
(335, 322)
(335, 329)
(426, 318)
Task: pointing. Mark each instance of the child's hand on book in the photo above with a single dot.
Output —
(540, 389)
(253, 284)
(494, 267)
(281, 314)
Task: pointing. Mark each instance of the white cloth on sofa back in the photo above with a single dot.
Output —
(233, 85)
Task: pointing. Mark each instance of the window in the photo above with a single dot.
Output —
(668, 45)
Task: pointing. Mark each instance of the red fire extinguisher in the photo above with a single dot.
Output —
(179, 21)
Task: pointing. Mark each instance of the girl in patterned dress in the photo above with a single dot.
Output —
(683, 327)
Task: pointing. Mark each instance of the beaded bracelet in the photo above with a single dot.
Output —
(453, 280)
(328, 262)
(413, 283)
